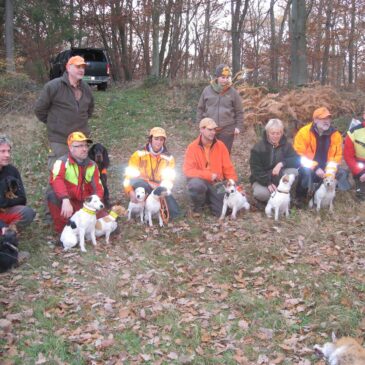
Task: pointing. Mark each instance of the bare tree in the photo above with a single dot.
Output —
(237, 16)
(298, 46)
(9, 35)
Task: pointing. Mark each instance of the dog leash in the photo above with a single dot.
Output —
(164, 210)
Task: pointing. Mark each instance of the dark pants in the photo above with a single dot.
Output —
(201, 192)
(226, 135)
(21, 215)
(172, 205)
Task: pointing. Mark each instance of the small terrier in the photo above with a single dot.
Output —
(153, 205)
(343, 351)
(138, 207)
(233, 199)
(106, 225)
(82, 224)
(280, 199)
(325, 194)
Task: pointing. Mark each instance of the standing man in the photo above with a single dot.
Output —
(221, 102)
(13, 208)
(65, 105)
(320, 146)
(207, 161)
(74, 177)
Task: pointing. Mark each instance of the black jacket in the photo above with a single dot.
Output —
(10, 178)
(264, 157)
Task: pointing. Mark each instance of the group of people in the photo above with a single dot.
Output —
(66, 103)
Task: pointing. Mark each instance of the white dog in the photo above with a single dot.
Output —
(108, 224)
(343, 351)
(233, 199)
(82, 224)
(153, 205)
(325, 194)
(280, 199)
(138, 207)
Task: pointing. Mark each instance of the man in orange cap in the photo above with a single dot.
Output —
(152, 166)
(65, 105)
(319, 145)
(73, 178)
(207, 162)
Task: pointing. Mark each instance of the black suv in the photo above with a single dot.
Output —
(97, 69)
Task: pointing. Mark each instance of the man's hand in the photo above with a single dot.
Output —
(277, 168)
(66, 209)
(320, 173)
(214, 176)
(362, 178)
(271, 188)
(236, 131)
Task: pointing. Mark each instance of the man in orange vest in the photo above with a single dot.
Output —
(207, 162)
(319, 144)
(73, 178)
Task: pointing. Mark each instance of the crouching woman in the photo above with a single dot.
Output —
(150, 167)
(270, 159)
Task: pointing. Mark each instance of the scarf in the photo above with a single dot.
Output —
(219, 88)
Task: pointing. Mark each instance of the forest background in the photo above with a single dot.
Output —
(277, 42)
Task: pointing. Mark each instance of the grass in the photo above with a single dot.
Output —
(179, 294)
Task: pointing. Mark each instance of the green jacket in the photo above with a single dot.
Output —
(225, 109)
(58, 108)
(264, 157)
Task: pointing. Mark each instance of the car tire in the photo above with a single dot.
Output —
(103, 86)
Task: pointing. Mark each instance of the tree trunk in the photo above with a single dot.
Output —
(236, 30)
(298, 47)
(327, 43)
(187, 41)
(165, 35)
(155, 70)
(351, 46)
(9, 35)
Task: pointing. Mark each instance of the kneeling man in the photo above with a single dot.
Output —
(207, 162)
(74, 177)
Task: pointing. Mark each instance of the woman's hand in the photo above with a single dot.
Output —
(277, 168)
(271, 188)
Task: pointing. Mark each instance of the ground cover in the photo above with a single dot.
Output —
(196, 292)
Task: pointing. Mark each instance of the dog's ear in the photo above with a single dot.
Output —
(89, 199)
(286, 178)
(106, 160)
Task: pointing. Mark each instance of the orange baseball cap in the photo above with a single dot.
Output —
(77, 61)
(321, 113)
(77, 137)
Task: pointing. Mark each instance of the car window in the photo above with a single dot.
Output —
(91, 55)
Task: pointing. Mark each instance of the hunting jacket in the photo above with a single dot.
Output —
(354, 150)
(58, 108)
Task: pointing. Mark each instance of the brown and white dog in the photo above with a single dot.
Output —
(343, 351)
(233, 199)
(279, 201)
(108, 224)
(153, 205)
(325, 194)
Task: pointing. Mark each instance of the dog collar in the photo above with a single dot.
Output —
(113, 214)
(89, 211)
(283, 192)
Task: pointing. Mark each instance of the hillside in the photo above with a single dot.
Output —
(250, 291)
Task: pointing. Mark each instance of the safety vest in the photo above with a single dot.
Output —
(357, 137)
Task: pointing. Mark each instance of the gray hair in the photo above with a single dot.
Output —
(274, 123)
(5, 140)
